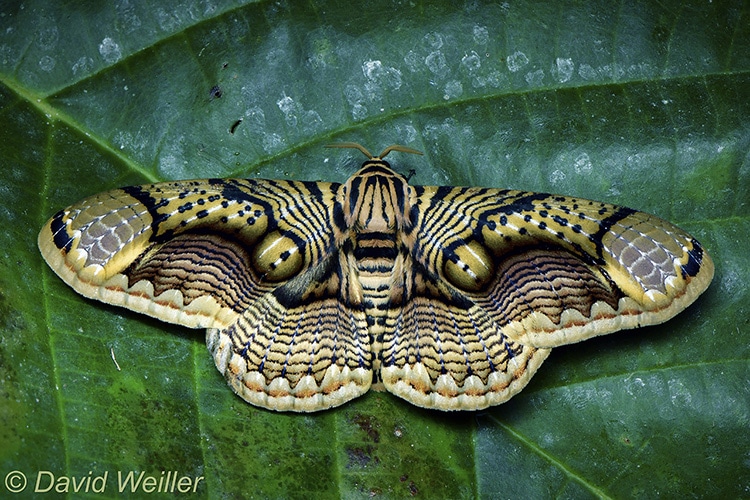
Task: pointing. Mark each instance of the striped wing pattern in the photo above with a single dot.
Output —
(311, 293)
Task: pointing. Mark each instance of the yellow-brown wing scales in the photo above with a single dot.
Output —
(162, 249)
(303, 347)
(553, 270)
(254, 261)
(495, 278)
(441, 350)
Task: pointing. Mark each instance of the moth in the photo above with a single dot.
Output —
(313, 292)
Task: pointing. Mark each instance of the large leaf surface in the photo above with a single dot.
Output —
(644, 105)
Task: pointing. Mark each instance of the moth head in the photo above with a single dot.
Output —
(376, 198)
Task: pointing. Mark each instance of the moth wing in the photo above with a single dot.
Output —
(440, 350)
(302, 347)
(187, 252)
(496, 278)
(233, 256)
(552, 270)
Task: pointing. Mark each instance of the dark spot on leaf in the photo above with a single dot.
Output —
(365, 423)
(361, 457)
(413, 490)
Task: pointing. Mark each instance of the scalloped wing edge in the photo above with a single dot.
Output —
(90, 281)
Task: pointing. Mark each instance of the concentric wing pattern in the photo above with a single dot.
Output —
(311, 292)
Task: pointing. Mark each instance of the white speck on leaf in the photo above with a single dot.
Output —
(47, 63)
(355, 98)
(613, 192)
(731, 281)
(556, 176)
(110, 51)
(272, 142)
(549, 439)
(581, 397)
(481, 35)
(112, 353)
(127, 141)
(407, 133)
(435, 131)
(679, 394)
(287, 106)
(413, 61)
(83, 64)
(48, 38)
(564, 69)
(493, 79)
(359, 112)
(382, 76)
(6, 55)
(379, 79)
(171, 166)
(353, 95)
(436, 63)
(453, 89)
(255, 118)
(296, 115)
(516, 61)
(535, 78)
(634, 385)
(582, 164)
(471, 61)
(587, 72)
(434, 40)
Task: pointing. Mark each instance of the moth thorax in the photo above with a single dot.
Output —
(377, 199)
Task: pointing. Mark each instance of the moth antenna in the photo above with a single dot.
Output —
(400, 149)
(351, 145)
(394, 147)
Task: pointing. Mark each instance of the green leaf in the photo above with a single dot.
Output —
(644, 105)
